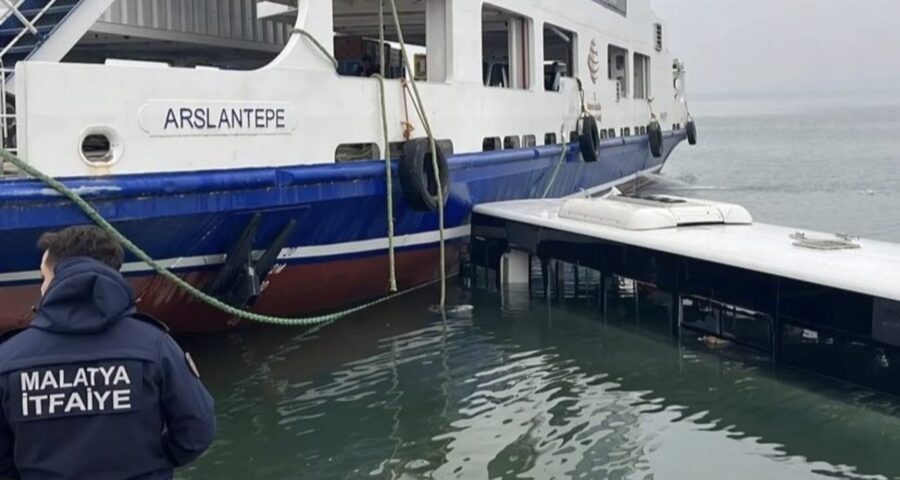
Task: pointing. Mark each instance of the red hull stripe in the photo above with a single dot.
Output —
(293, 290)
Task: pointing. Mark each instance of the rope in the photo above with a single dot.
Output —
(318, 45)
(424, 118)
(650, 106)
(562, 158)
(392, 265)
(562, 137)
(584, 110)
(213, 302)
(407, 127)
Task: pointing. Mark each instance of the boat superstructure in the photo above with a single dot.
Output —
(211, 127)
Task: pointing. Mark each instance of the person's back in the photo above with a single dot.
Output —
(92, 391)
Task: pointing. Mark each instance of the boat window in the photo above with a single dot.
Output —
(356, 39)
(352, 152)
(603, 134)
(559, 56)
(727, 321)
(529, 141)
(397, 149)
(618, 69)
(612, 133)
(491, 143)
(511, 143)
(641, 76)
(550, 139)
(505, 54)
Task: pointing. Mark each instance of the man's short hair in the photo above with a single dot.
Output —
(82, 241)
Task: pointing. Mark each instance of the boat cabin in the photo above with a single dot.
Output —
(159, 84)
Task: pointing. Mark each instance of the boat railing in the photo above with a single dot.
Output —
(27, 24)
(13, 9)
(7, 124)
(7, 110)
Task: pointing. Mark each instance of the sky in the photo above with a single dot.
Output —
(789, 46)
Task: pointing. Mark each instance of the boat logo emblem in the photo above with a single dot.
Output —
(594, 61)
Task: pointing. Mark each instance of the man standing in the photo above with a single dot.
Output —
(92, 390)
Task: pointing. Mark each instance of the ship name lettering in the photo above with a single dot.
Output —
(186, 118)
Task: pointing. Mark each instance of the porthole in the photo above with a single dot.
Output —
(100, 146)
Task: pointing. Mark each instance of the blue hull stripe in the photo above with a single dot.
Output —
(203, 213)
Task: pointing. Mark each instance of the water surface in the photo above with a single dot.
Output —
(525, 389)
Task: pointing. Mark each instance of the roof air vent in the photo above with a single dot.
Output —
(653, 212)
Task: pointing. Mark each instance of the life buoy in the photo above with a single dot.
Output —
(589, 138)
(654, 132)
(691, 132)
(417, 179)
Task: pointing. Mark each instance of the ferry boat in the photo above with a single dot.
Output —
(220, 135)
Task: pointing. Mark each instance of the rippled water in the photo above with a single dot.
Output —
(523, 389)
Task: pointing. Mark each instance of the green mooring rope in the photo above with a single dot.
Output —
(213, 302)
(97, 218)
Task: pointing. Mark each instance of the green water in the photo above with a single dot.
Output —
(523, 389)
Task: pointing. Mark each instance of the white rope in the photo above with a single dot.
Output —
(392, 262)
(423, 117)
(420, 110)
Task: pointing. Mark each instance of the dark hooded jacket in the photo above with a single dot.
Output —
(91, 391)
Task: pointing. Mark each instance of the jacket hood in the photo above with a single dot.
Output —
(85, 296)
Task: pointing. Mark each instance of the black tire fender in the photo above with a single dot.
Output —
(416, 172)
(691, 128)
(589, 138)
(654, 132)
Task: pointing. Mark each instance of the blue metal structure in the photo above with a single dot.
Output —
(20, 39)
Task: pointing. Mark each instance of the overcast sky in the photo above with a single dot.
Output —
(785, 45)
